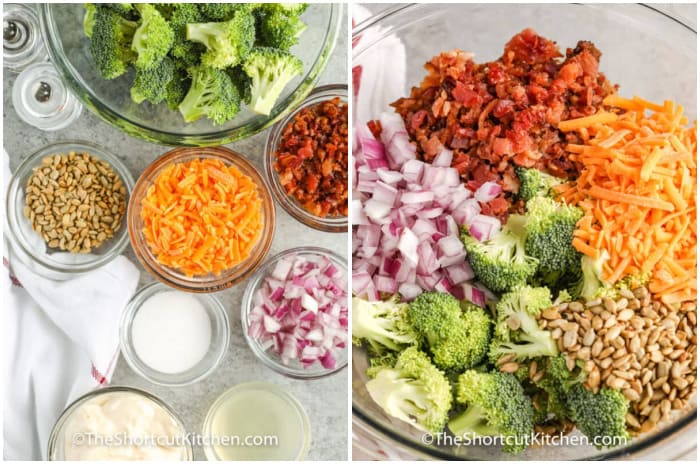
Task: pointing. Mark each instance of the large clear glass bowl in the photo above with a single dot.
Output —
(647, 52)
(62, 28)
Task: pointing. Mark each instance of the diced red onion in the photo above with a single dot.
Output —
(487, 191)
(484, 227)
(443, 159)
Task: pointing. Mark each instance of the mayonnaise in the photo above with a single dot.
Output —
(122, 425)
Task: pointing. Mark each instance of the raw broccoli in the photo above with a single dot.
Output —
(377, 361)
(270, 70)
(212, 94)
(153, 38)
(457, 338)
(599, 415)
(152, 83)
(228, 43)
(556, 383)
(126, 10)
(290, 9)
(89, 18)
(535, 183)
(177, 88)
(496, 405)
(413, 391)
(501, 263)
(382, 324)
(242, 81)
(181, 15)
(517, 331)
(550, 227)
(222, 11)
(278, 30)
(110, 43)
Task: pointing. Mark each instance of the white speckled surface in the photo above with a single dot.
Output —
(325, 400)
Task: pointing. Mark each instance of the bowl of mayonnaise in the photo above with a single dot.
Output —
(119, 423)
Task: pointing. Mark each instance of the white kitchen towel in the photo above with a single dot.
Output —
(61, 341)
(379, 76)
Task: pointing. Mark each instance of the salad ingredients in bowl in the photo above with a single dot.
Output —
(503, 264)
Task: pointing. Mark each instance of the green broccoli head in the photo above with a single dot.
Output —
(535, 183)
(496, 405)
(414, 391)
(228, 43)
(501, 262)
(89, 18)
(222, 11)
(182, 14)
(178, 87)
(289, 9)
(152, 83)
(278, 30)
(457, 335)
(242, 81)
(550, 227)
(384, 325)
(556, 383)
(517, 331)
(110, 43)
(153, 38)
(211, 94)
(378, 361)
(270, 70)
(600, 414)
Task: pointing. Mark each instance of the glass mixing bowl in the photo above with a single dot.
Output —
(648, 53)
(62, 28)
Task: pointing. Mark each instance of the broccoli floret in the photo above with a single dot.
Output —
(600, 414)
(222, 11)
(177, 88)
(151, 84)
(110, 43)
(228, 43)
(556, 383)
(382, 324)
(278, 30)
(269, 70)
(501, 262)
(457, 338)
(517, 331)
(212, 94)
(550, 227)
(153, 38)
(89, 18)
(413, 391)
(496, 405)
(377, 361)
(124, 9)
(181, 15)
(289, 9)
(242, 81)
(534, 183)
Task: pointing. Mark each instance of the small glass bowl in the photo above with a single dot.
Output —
(209, 282)
(294, 369)
(289, 203)
(30, 247)
(220, 335)
(56, 451)
(217, 408)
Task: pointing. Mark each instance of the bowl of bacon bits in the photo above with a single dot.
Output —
(294, 313)
(201, 219)
(306, 160)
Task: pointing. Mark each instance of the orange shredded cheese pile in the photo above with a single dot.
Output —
(638, 192)
(201, 216)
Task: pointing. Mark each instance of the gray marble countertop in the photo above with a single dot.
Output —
(325, 400)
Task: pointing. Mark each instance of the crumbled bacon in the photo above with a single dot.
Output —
(503, 113)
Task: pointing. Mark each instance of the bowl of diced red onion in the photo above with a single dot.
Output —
(294, 313)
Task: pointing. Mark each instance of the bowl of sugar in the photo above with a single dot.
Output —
(173, 338)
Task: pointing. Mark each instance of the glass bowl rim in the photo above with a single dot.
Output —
(68, 411)
(246, 305)
(214, 306)
(337, 224)
(213, 283)
(385, 430)
(260, 385)
(75, 82)
(34, 160)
